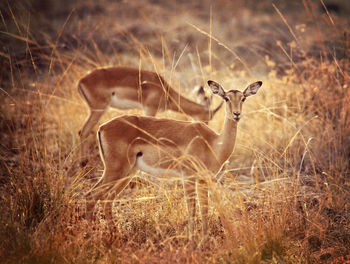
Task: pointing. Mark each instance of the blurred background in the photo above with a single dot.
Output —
(244, 32)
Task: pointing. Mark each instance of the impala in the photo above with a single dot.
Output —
(166, 147)
(131, 88)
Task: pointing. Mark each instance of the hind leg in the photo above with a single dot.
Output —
(150, 111)
(114, 179)
(118, 188)
(153, 101)
(92, 120)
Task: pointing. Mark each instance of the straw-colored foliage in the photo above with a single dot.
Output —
(285, 196)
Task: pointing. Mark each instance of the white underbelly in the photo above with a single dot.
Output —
(154, 171)
(122, 103)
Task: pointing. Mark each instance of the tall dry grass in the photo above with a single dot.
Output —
(285, 196)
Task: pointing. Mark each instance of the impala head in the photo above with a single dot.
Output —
(234, 98)
(206, 101)
(203, 97)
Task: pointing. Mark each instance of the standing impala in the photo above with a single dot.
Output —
(131, 88)
(166, 147)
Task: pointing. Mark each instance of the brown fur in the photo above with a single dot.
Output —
(142, 87)
(188, 149)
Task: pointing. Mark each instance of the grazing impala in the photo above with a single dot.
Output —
(166, 147)
(131, 88)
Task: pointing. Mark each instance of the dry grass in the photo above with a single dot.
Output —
(285, 198)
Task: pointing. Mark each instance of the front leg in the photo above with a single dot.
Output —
(219, 177)
(203, 203)
(190, 191)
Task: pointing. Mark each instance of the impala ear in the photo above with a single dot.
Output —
(217, 89)
(201, 90)
(205, 100)
(252, 89)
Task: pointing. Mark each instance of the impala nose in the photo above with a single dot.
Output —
(236, 115)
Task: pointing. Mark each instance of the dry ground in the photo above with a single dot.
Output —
(285, 198)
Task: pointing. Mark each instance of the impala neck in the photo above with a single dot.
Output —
(226, 140)
(188, 107)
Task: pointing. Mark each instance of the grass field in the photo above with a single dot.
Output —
(285, 197)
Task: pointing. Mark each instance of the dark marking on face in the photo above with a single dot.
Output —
(201, 90)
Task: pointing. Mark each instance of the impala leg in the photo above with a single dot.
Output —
(97, 192)
(203, 203)
(190, 191)
(150, 111)
(92, 120)
(118, 188)
(151, 103)
(113, 180)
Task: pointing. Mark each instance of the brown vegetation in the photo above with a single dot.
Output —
(286, 196)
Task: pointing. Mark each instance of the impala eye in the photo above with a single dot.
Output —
(226, 99)
(243, 98)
